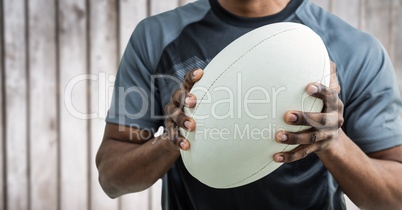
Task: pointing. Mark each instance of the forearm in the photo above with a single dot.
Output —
(369, 183)
(125, 168)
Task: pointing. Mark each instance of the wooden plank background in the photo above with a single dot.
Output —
(58, 61)
(16, 116)
(43, 108)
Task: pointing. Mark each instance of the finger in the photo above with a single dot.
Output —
(327, 95)
(320, 121)
(298, 153)
(190, 101)
(180, 98)
(171, 130)
(174, 135)
(309, 136)
(192, 77)
(333, 83)
(170, 109)
(179, 118)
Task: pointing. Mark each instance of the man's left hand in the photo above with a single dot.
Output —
(324, 126)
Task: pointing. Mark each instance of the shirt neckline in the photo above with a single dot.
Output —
(239, 21)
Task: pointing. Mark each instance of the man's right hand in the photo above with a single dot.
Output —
(174, 110)
(129, 161)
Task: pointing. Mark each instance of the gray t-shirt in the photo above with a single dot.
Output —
(164, 47)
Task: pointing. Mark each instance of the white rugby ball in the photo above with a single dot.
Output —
(241, 99)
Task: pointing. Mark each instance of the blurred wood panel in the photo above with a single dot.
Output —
(376, 20)
(155, 198)
(130, 14)
(103, 63)
(326, 4)
(73, 99)
(158, 6)
(43, 107)
(396, 39)
(350, 11)
(2, 109)
(184, 2)
(49, 144)
(16, 96)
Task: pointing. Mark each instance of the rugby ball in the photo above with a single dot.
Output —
(242, 98)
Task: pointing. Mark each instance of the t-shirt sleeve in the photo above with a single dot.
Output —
(372, 99)
(135, 100)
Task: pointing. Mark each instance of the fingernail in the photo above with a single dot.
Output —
(187, 100)
(313, 89)
(282, 137)
(182, 144)
(196, 72)
(187, 124)
(292, 118)
(279, 158)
